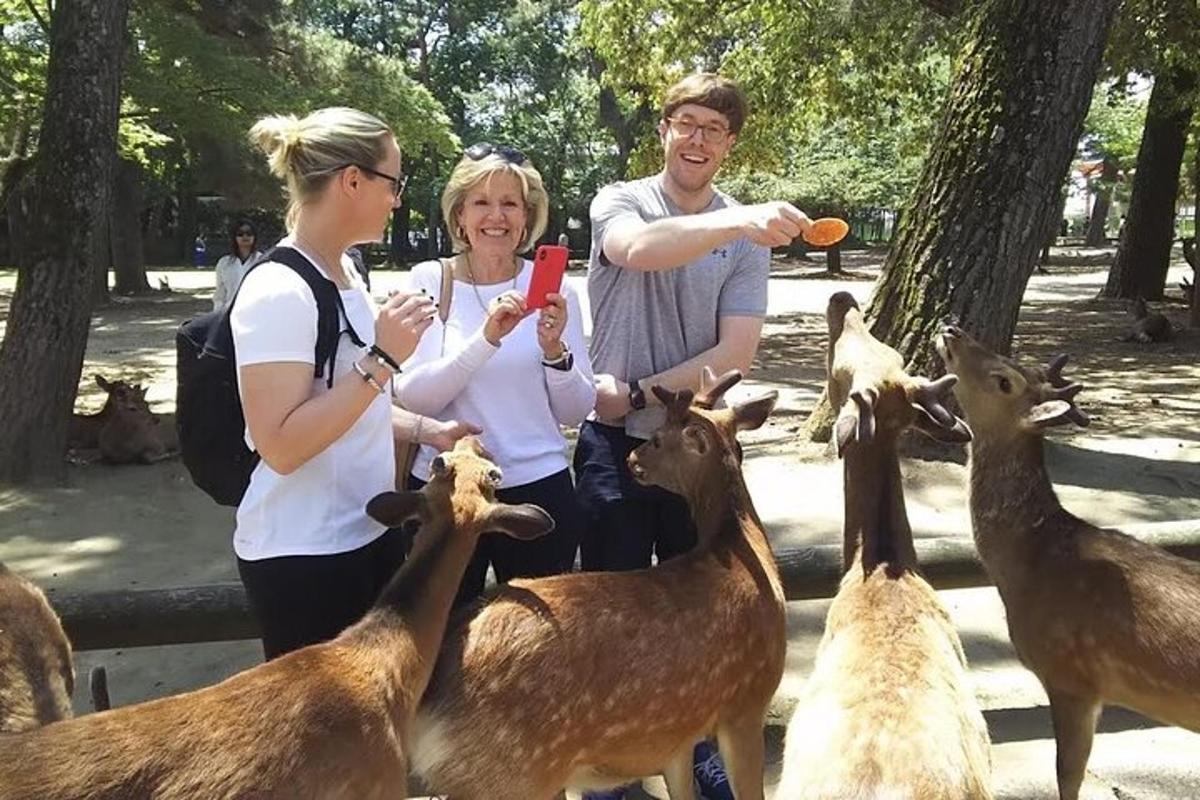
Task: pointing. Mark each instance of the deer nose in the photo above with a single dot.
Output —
(952, 331)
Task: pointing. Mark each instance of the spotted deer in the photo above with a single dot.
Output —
(328, 721)
(1100, 617)
(888, 711)
(593, 680)
(37, 677)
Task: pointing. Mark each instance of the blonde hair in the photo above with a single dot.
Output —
(307, 152)
(470, 172)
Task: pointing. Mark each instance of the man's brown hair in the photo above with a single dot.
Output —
(711, 91)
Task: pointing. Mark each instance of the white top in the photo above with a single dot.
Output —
(505, 390)
(320, 507)
(230, 270)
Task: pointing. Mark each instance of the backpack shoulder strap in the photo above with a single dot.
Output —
(447, 294)
(329, 308)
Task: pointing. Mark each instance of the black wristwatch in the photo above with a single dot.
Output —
(637, 398)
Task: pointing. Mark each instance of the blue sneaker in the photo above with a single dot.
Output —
(709, 771)
(608, 794)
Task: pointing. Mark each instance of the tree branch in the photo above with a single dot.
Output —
(37, 15)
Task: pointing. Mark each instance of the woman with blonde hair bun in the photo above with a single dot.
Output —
(310, 558)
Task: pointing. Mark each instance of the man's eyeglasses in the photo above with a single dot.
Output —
(684, 128)
(484, 149)
(398, 181)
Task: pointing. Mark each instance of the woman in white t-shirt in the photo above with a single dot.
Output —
(231, 268)
(516, 375)
(310, 558)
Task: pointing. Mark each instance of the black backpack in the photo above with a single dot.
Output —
(208, 410)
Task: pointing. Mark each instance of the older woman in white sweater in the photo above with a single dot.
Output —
(517, 375)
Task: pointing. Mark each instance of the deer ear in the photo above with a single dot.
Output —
(751, 414)
(395, 508)
(525, 521)
(1048, 414)
(103, 384)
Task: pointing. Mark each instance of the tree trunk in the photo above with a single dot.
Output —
(42, 353)
(185, 187)
(1097, 236)
(984, 203)
(1144, 252)
(125, 229)
(101, 262)
(971, 233)
(1194, 314)
(833, 260)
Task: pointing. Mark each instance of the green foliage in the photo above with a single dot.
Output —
(844, 94)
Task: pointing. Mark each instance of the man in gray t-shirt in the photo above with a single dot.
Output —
(677, 280)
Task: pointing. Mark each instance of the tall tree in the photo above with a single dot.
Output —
(1111, 134)
(970, 236)
(1144, 252)
(44, 342)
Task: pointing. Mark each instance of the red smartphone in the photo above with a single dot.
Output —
(549, 264)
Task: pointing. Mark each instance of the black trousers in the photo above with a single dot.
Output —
(626, 525)
(552, 554)
(302, 600)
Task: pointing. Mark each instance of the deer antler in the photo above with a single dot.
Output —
(1063, 389)
(865, 400)
(712, 387)
(677, 403)
(929, 397)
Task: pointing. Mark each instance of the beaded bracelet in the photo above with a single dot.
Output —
(367, 377)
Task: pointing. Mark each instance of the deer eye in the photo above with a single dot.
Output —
(656, 441)
(1003, 383)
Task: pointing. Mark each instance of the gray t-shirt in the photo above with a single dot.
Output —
(646, 322)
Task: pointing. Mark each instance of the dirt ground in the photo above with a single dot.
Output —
(1139, 462)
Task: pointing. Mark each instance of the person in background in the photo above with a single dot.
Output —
(231, 268)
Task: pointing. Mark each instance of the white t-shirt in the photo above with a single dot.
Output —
(505, 390)
(320, 507)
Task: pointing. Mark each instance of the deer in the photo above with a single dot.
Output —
(131, 433)
(1098, 616)
(327, 721)
(594, 680)
(888, 711)
(1148, 326)
(83, 431)
(37, 676)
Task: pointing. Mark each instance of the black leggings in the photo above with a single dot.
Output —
(302, 600)
(552, 554)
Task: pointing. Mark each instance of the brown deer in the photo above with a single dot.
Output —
(1148, 326)
(888, 711)
(593, 680)
(326, 721)
(1098, 616)
(132, 433)
(36, 673)
(83, 431)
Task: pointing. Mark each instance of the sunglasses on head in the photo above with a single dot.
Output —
(484, 149)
